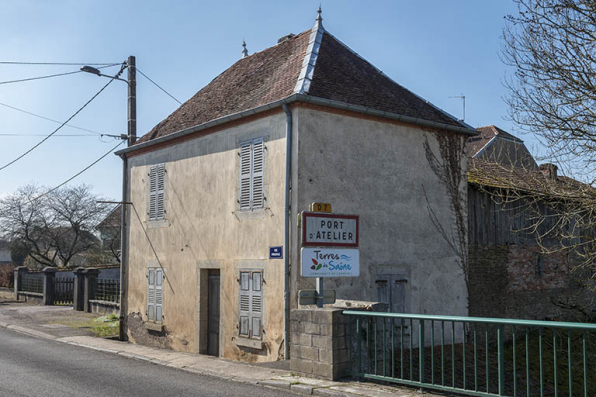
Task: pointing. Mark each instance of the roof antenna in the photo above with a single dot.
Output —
(463, 98)
(244, 50)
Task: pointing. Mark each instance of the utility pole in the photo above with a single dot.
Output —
(131, 138)
(132, 100)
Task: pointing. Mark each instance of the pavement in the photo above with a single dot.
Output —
(59, 324)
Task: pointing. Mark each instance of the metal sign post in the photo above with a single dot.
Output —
(320, 292)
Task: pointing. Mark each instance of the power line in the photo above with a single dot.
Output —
(61, 125)
(55, 135)
(158, 86)
(78, 173)
(48, 119)
(49, 76)
(57, 63)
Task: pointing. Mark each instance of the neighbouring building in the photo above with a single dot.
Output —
(209, 186)
(511, 219)
(109, 234)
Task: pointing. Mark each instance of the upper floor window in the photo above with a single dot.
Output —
(157, 192)
(251, 174)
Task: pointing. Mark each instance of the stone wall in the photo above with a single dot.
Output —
(319, 343)
(517, 281)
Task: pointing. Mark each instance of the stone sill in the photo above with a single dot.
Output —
(158, 327)
(251, 343)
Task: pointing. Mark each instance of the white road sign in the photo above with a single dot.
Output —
(326, 230)
(330, 262)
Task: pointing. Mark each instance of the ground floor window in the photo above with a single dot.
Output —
(155, 294)
(251, 303)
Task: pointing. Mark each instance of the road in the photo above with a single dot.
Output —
(37, 367)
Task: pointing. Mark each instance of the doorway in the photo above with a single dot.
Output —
(213, 313)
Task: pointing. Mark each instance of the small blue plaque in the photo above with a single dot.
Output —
(276, 252)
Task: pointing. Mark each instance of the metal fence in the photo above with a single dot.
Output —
(474, 356)
(63, 291)
(32, 283)
(108, 290)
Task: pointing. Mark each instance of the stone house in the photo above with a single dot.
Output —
(225, 176)
(518, 268)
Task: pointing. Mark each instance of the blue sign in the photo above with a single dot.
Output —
(276, 252)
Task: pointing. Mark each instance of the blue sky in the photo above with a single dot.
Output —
(436, 48)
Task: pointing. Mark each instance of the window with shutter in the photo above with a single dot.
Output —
(157, 192)
(251, 304)
(155, 295)
(151, 295)
(252, 163)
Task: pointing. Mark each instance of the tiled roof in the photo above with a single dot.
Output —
(485, 173)
(330, 70)
(112, 219)
(475, 144)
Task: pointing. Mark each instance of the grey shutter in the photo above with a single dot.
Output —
(245, 303)
(152, 192)
(160, 198)
(383, 292)
(256, 305)
(258, 149)
(399, 305)
(151, 295)
(245, 175)
(158, 294)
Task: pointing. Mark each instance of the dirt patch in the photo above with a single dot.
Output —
(139, 334)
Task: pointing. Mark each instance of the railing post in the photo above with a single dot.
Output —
(421, 350)
(49, 275)
(78, 301)
(90, 277)
(501, 353)
(359, 346)
(18, 280)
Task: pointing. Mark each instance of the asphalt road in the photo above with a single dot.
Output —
(38, 367)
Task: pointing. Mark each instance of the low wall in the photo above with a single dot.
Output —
(103, 307)
(6, 293)
(30, 297)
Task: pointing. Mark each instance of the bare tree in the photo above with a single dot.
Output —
(551, 44)
(55, 227)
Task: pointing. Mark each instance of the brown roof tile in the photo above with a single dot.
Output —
(485, 173)
(271, 75)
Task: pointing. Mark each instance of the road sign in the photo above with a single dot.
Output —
(276, 252)
(320, 207)
(309, 296)
(330, 262)
(329, 230)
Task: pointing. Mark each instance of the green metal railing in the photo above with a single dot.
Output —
(474, 356)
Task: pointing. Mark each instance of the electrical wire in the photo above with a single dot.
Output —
(55, 135)
(49, 76)
(57, 63)
(57, 129)
(78, 173)
(158, 86)
(48, 119)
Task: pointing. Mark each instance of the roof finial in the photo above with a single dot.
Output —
(244, 50)
(319, 17)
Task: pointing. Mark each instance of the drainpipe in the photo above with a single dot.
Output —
(123, 249)
(287, 233)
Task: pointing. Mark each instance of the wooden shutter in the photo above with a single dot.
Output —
(151, 295)
(256, 305)
(152, 193)
(160, 198)
(158, 294)
(245, 175)
(258, 149)
(245, 303)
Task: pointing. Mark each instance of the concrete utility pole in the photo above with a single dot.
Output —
(132, 100)
(131, 138)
